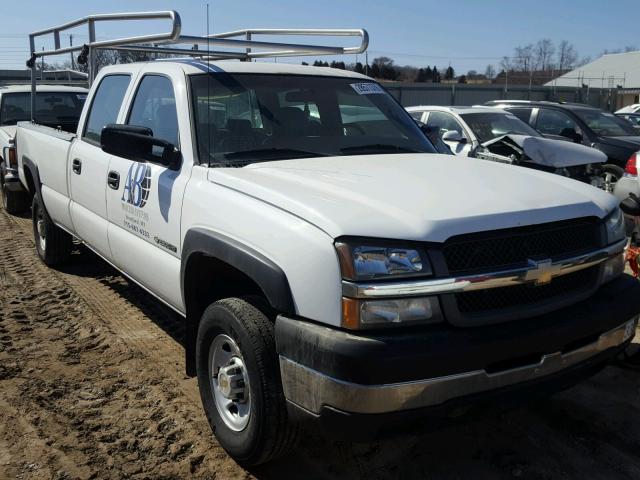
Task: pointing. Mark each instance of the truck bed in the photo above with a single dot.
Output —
(46, 149)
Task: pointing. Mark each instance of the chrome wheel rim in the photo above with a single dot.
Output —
(230, 383)
(610, 180)
(42, 230)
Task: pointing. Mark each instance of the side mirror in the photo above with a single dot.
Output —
(631, 206)
(453, 136)
(138, 144)
(571, 134)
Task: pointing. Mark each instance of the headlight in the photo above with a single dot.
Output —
(363, 313)
(371, 261)
(367, 260)
(616, 230)
(613, 268)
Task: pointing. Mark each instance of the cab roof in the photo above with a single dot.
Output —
(195, 66)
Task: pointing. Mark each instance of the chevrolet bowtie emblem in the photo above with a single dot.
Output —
(541, 272)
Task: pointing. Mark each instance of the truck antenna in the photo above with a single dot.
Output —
(208, 93)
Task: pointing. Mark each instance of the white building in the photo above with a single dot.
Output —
(619, 71)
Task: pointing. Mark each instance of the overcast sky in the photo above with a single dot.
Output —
(468, 34)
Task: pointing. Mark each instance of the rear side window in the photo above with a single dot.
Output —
(523, 114)
(552, 122)
(445, 122)
(416, 116)
(154, 107)
(105, 105)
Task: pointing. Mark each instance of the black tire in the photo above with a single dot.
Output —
(614, 172)
(54, 245)
(269, 433)
(13, 202)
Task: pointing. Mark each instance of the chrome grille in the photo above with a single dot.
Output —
(511, 248)
(484, 301)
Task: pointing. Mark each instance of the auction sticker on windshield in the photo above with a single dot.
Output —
(368, 88)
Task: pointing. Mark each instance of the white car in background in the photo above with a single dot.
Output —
(489, 133)
(633, 108)
(56, 106)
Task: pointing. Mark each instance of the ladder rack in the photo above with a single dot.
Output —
(239, 44)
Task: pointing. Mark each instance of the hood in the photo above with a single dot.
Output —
(625, 142)
(550, 152)
(422, 197)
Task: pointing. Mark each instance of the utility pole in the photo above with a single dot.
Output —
(73, 64)
(42, 67)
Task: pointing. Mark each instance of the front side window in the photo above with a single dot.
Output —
(246, 118)
(489, 125)
(105, 105)
(154, 107)
(55, 109)
(605, 124)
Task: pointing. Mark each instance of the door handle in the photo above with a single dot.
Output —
(113, 180)
(77, 166)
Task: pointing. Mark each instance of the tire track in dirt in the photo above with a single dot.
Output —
(83, 396)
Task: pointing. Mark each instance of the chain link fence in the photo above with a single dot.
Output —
(411, 94)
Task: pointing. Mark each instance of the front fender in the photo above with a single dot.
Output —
(266, 274)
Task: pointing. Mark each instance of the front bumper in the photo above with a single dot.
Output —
(328, 372)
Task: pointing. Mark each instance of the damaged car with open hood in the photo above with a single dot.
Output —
(492, 134)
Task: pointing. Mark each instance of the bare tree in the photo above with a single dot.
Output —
(490, 72)
(523, 58)
(566, 56)
(543, 54)
(506, 64)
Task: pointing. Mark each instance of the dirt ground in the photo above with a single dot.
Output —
(92, 386)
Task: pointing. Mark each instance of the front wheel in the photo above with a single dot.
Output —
(239, 381)
(609, 175)
(52, 243)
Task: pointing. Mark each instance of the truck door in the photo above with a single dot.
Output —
(88, 165)
(144, 199)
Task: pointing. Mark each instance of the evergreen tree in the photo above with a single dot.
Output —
(436, 75)
(428, 74)
(449, 74)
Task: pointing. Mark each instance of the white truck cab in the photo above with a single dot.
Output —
(330, 266)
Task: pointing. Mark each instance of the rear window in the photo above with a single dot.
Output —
(106, 105)
(52, 108)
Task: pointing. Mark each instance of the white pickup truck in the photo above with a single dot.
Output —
(329, 265)
(56, 106)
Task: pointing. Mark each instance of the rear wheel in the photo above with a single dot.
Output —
(52, 243)
(13, 202)
(239, 380)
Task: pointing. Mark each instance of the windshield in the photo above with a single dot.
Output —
(52, 108)
(489, 125)
(605, 124)
(244, 118)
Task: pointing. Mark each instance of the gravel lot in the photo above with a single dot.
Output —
(92, 386)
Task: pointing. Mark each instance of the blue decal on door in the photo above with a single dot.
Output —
(138, 185)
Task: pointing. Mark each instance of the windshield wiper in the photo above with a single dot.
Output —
(272, 154)
(376, 147)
